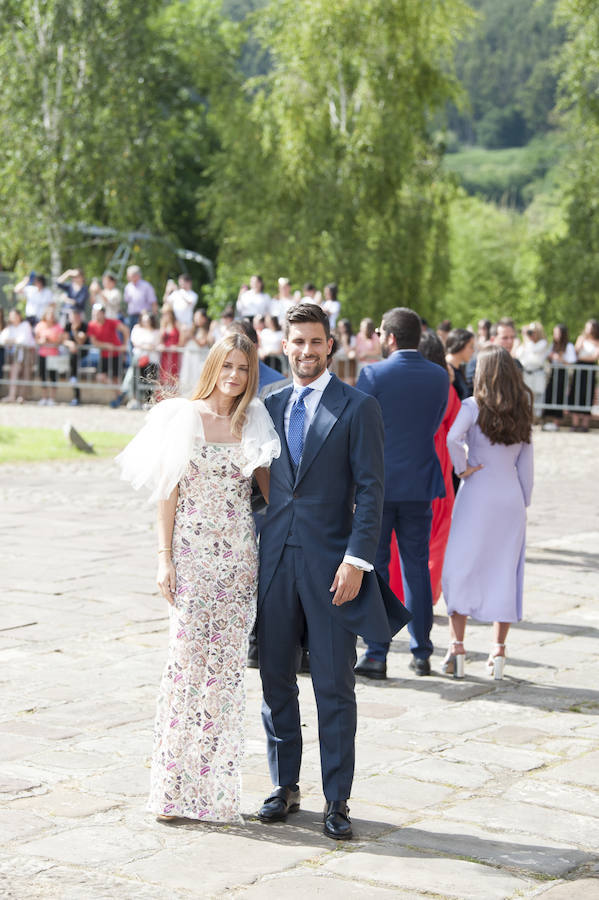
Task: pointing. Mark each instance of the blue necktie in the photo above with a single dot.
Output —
(295, 435)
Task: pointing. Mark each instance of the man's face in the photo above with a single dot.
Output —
(306, 347)
(384, 339)
(505, 337)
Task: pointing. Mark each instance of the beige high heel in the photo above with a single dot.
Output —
(453, 664)
(496, 665)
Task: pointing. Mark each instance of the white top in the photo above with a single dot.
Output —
(112, 298)
(183, 303)
(252, 303)
(36, 301)
(270, 341)
(279, 307)
(311, 402)
(145, 341)
(569, 355)
(532, 354)
(332, 308)
(159, 454)
(21, 334)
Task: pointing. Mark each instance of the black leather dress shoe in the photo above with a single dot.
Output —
(420, 666)
(281, 802)
(371, 668)
(337, 824)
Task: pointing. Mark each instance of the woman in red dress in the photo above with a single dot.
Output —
(432, 348)
(170, 360)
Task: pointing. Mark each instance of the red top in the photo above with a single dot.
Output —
(106, 333)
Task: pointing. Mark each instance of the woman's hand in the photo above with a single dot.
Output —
(468, 471)
(166, 578)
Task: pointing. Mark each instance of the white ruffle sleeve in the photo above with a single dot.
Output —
(158, 455)
(259, 440)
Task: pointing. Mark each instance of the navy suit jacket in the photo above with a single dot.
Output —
(341, 466)
(412, 393)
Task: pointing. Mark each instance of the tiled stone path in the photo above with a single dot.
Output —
(468, 789)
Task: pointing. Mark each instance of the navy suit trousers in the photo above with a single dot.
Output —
(290, 601)
(411, 520)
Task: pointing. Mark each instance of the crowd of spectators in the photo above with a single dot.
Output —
(94, 331)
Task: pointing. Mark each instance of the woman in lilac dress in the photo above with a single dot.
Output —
(491, 450)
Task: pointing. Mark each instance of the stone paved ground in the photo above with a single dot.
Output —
(468, 789)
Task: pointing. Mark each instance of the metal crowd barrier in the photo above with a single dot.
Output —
(86, 374)
(571, 387)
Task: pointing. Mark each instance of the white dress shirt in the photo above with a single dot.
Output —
(311, 403)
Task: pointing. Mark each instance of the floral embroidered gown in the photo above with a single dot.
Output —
(198, 735)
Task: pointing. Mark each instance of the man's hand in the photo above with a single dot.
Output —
(346, 583)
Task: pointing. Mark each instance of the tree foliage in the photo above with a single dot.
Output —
(327, 170)
(509, 72)
(101, 123)
(569, 259)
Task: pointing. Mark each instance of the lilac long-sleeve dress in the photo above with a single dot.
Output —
(483, 573)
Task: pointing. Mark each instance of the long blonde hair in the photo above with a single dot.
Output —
(213, 366)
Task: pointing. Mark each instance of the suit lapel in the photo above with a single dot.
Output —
(276, 407)
(332, 403)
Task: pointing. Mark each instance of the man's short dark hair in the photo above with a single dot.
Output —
(306, 312)
(309, 287)
(41, 279)
(405, 325)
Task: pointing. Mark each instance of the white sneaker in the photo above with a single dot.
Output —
(134, 404)
(549, 426)
(50, 402)
(42, 402)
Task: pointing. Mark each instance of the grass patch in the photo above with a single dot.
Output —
(40, 444)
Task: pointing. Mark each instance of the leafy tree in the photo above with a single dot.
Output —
(492, 263)
(100, 124)
(508, 70)
(327, 170)
(569, 258)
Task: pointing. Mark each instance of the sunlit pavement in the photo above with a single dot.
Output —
(463, 789)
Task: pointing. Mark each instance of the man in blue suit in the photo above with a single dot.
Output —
(317, 549)
(412, 393)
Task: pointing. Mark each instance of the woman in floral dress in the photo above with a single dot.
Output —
(198, 456)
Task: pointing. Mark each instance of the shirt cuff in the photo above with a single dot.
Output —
(358, 563)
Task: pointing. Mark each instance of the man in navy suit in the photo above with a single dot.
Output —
(412, 393)
(317, 549)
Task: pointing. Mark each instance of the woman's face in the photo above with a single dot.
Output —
(233, 377)
(468, 351)
(145, 321)
(557, 334)
(14, 318)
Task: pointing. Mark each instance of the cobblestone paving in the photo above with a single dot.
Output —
(469, 789)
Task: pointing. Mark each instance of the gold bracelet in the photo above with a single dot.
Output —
(165, 550)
